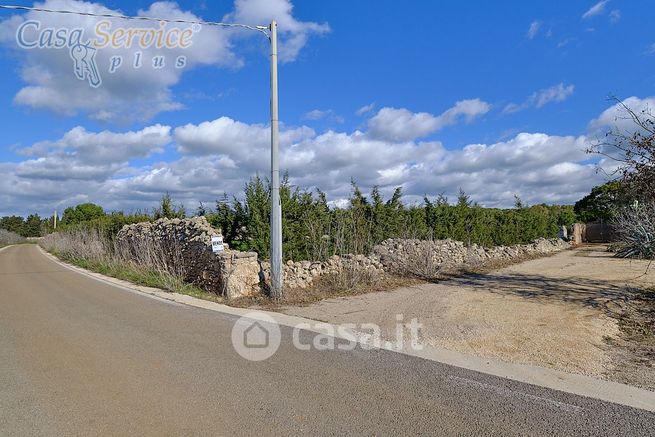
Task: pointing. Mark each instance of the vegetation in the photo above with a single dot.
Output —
(32, 226)
(8, 237)
(630, 200)
(601, 203)
(82, 213)
(313, 230)
(91, 249)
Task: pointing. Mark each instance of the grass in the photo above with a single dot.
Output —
(141, 276)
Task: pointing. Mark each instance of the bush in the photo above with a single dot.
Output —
(635, 231)
(146, 262)
(8, 237)
(314, 231)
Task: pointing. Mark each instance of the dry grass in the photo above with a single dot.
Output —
(420, 262)
(7, 238)
(145, 262)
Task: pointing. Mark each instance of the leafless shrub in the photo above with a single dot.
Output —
(635, 231)
(146, 255)
(420, 261)
(151, 253)
(631, 145)
(79, 244)
(8, 237)
(352, 277)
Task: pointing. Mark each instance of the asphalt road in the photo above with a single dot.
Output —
(81, 357)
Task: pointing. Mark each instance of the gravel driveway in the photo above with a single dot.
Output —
(580, 311)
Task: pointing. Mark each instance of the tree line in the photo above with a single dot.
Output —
(315, 230)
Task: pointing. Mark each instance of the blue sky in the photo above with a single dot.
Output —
(499, 98)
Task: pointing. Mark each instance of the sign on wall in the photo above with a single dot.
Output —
(217, 243)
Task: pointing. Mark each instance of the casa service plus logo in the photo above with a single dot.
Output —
(32, 35)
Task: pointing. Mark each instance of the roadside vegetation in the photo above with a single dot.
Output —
(628, 202)
(8, 237)
(93, 249)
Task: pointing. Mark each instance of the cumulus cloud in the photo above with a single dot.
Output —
(227, 136)
(533, 30)
(136, 94)
(616, 117)
(400, 124)
(83, 155)
(293, 33)
(219, 156)
(596, 9)
(556, 93)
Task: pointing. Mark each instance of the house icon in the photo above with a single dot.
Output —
(256, 336)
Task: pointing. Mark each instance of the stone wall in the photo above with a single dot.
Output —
(301, 274)
(391, 255)
(187, 247)
(184, 247)
(454, 254)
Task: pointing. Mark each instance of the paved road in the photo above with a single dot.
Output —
(80, 357)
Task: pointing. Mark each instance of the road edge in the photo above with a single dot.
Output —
(581, 385)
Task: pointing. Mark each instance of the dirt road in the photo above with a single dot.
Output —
(566, 311)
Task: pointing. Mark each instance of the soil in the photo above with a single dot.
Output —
(581, 311)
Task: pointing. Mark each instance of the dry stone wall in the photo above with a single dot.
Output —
(391, 256)
(185, 248)
(186, 244)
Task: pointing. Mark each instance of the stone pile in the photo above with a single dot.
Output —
(186, 248)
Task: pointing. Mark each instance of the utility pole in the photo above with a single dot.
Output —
(54, 220)
(276, 207)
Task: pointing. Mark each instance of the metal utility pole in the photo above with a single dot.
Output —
(276, 207)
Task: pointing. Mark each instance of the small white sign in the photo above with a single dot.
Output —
(217, 243)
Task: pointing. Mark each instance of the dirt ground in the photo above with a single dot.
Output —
(580, 311)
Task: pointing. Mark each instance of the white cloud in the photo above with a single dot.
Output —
(229, 137)
(365, 109)
(403, 125)
(137, 94)
(218, 156)
(83, 155)
(616, 117)
(293, 33)
(533, 30)
(596, 9)
(328, 114)
(539, 99)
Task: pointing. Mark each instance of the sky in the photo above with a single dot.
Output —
(496, 98)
